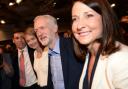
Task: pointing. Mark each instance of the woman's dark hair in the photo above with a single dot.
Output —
(110, 25)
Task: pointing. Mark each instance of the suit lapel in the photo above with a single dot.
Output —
(31, 55)
(64, 61)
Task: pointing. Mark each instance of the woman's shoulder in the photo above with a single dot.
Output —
(122, 52)
(117, 66)
(120, 57)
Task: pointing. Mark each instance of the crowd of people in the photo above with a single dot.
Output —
(92, 56)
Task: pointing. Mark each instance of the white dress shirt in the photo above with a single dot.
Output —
(29, 72)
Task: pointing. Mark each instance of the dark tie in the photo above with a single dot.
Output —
(22, 70)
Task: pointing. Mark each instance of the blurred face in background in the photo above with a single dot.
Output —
(1, 50)
(31, 41)
(86, 23)
(18, 40)
(45, 30)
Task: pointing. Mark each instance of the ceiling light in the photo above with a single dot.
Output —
(2, 22)
(54, 4)
(18, 1)
(57, 18)
(113, 5)
(11, 4)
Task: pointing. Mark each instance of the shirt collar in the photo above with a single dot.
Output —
(25, 49)
(56, 47)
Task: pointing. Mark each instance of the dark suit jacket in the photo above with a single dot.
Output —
(71, 66)
(16, 76)
(6, 76)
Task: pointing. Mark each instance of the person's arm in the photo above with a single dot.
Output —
(7, 65)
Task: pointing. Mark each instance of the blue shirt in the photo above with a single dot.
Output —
(56, 67)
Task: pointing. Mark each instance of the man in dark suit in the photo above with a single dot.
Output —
(65, 69)
(28, 79)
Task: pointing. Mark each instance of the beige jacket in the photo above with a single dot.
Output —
(111, 71)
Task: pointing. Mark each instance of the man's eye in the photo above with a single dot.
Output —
(16, 37)
(73, 19)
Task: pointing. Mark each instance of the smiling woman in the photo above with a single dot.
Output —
(40, 57)
(96, 33)
(85, 26)
(30, 38)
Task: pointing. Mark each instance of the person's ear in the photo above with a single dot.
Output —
(55, 28)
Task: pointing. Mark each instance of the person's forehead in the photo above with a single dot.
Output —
(41, 19)
(18, 34)
(40, 22)
(30, 36)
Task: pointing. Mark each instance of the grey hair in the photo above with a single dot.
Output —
(48, 17)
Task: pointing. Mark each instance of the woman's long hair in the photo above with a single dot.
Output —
(110, 27)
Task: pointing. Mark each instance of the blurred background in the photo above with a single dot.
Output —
(17, 14)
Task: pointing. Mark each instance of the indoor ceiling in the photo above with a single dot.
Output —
(22, 14)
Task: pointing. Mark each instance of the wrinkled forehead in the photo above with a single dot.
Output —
(45, 19)
(40, 19)
(40, 22)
